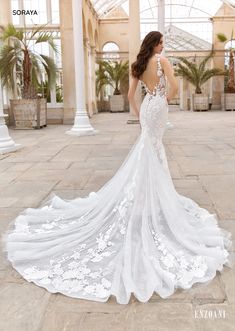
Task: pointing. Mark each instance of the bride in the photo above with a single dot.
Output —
(136, 234)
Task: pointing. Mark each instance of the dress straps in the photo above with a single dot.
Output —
(159, 67)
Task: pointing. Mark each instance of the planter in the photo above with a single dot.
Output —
(228, 101)
(117, 103)
(200, 102)
(103, 106)
(29, 113)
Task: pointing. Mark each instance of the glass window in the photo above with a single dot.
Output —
(55, 13)
(47, 11)
(228, 45)
(15, 7)
(111, 51)
(40, 7)
(190, 16)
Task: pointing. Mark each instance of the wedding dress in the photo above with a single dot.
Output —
(136, 234)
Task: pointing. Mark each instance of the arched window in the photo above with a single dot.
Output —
(111, 51)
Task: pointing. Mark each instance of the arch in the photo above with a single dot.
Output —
(110, 46)
(229, 44)
(111, 50)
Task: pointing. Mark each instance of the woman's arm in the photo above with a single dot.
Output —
(131, 95)
(169, 72)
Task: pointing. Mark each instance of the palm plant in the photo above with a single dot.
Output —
(112, 73)
(196, 74)
(230, 85)
(21, 67)
(43, 90)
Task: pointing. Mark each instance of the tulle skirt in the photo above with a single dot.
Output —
(134, 235)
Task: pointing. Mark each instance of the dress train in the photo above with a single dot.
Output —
(136, 234)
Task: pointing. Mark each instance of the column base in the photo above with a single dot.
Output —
(9, 149)
(133, 119)
(7, 144)
(81, 132)
(82, 126)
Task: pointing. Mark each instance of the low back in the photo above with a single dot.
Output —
(160, 86)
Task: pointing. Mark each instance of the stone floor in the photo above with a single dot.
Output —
(201, 153)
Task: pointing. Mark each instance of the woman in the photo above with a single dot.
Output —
(136, 234)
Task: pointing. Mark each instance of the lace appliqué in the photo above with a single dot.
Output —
(159, 88)
(125, 204)
(123, 207)
(70, 273)
(56, 221)
(180, 268)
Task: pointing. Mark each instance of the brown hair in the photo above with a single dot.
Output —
(151, 40)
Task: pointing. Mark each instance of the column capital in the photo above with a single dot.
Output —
(93, 49)
(86, 42)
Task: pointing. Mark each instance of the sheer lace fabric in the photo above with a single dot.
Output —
(134, 235)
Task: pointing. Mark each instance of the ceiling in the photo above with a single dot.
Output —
(104, 7)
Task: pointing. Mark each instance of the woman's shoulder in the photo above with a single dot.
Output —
(164, 60)
(162, 57)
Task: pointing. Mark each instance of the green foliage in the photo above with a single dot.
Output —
(21, 67)
(59, 94)
(112, 73)
(222, 38)
(196, 74)
(45, 92)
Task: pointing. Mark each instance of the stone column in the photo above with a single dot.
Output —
(66, 30)
(86, 46)
(93, 78)
(161, 16)
(82, 124)
(89, 77)
(161, 28)
(134, 46)
(5, 12)
(7, 144)
(218, 83)
(161, 20)
(6, 18)
(211, 83)
(183, 94)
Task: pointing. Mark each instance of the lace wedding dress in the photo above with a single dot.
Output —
(136, 234)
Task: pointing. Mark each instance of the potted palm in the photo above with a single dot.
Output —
(197, 75)
(23, 70)
(228, 97)
(115, 74)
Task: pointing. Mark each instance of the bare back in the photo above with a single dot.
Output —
(157, 73)
(149, 76)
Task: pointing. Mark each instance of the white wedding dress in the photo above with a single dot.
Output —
(136, 234)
